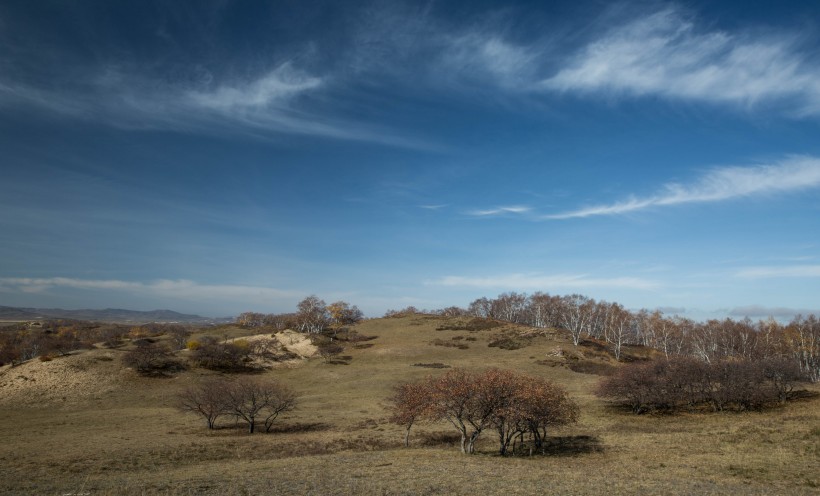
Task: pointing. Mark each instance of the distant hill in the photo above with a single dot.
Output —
(106, 315)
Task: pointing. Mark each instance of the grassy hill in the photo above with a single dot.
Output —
(85, 424)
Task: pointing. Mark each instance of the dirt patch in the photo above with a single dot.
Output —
(66, 379)
(296, 342)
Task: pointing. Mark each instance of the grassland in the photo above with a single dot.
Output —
(119, 433)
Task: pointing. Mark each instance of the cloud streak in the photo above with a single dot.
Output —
(268, 104)
(791, 271)
(792, 174)
(491, 212)
(521, 282)
(175, 289)
(665, 54)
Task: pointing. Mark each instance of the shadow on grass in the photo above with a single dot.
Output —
(300, 427)
(553, 446)
(340, 360)
(571, 445)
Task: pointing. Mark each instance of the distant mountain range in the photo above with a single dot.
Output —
(106, 315)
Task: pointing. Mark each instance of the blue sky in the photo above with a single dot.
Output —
(218, 157)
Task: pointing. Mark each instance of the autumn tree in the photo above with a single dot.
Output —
(535, 406)
(343, 314)
(408, 404)
(473, 402)
(250, 319)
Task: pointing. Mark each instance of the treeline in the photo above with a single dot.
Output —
(611, 323)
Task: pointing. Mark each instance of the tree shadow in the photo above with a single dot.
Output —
(340, 360)
(571, 445)
(299, 427)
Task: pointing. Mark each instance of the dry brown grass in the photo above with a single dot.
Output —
(127, 438)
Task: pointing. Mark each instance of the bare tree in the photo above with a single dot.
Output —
(576, 314)
(312, 315)
(619, 323)
(207, 399)
(254, 400)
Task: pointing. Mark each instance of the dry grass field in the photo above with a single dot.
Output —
(84, 424)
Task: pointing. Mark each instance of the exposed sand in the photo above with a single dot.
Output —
(81, 375)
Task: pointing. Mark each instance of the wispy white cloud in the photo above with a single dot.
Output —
(791, 174)
(261, 106)
(666, 54)
(275, 87)
(488, 55)
(434, 207)
(765, 272)
(513, 209)
(174, 289)
(521, 282)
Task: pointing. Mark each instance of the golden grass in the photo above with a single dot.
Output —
(132, 441)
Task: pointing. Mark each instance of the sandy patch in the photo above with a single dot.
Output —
(67, 379)
(296, 342)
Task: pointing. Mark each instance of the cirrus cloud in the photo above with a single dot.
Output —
(791, 174)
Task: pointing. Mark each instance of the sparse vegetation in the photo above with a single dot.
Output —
(340, 438)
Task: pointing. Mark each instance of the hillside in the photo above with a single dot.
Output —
(116, 315)
(84, 423)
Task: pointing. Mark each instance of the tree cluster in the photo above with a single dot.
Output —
(313, 315)
(253, 401)
(57, 337)
(709, 341)
(49, 338)
(517, 407)
(234, 356)
(689, 383)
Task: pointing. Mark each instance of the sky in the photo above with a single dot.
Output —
(215, 157)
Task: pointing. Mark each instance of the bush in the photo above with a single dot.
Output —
(152, 359)
(211, 354)
(693, 384)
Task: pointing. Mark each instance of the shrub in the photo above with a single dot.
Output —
(689, 383)
(152, 359)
